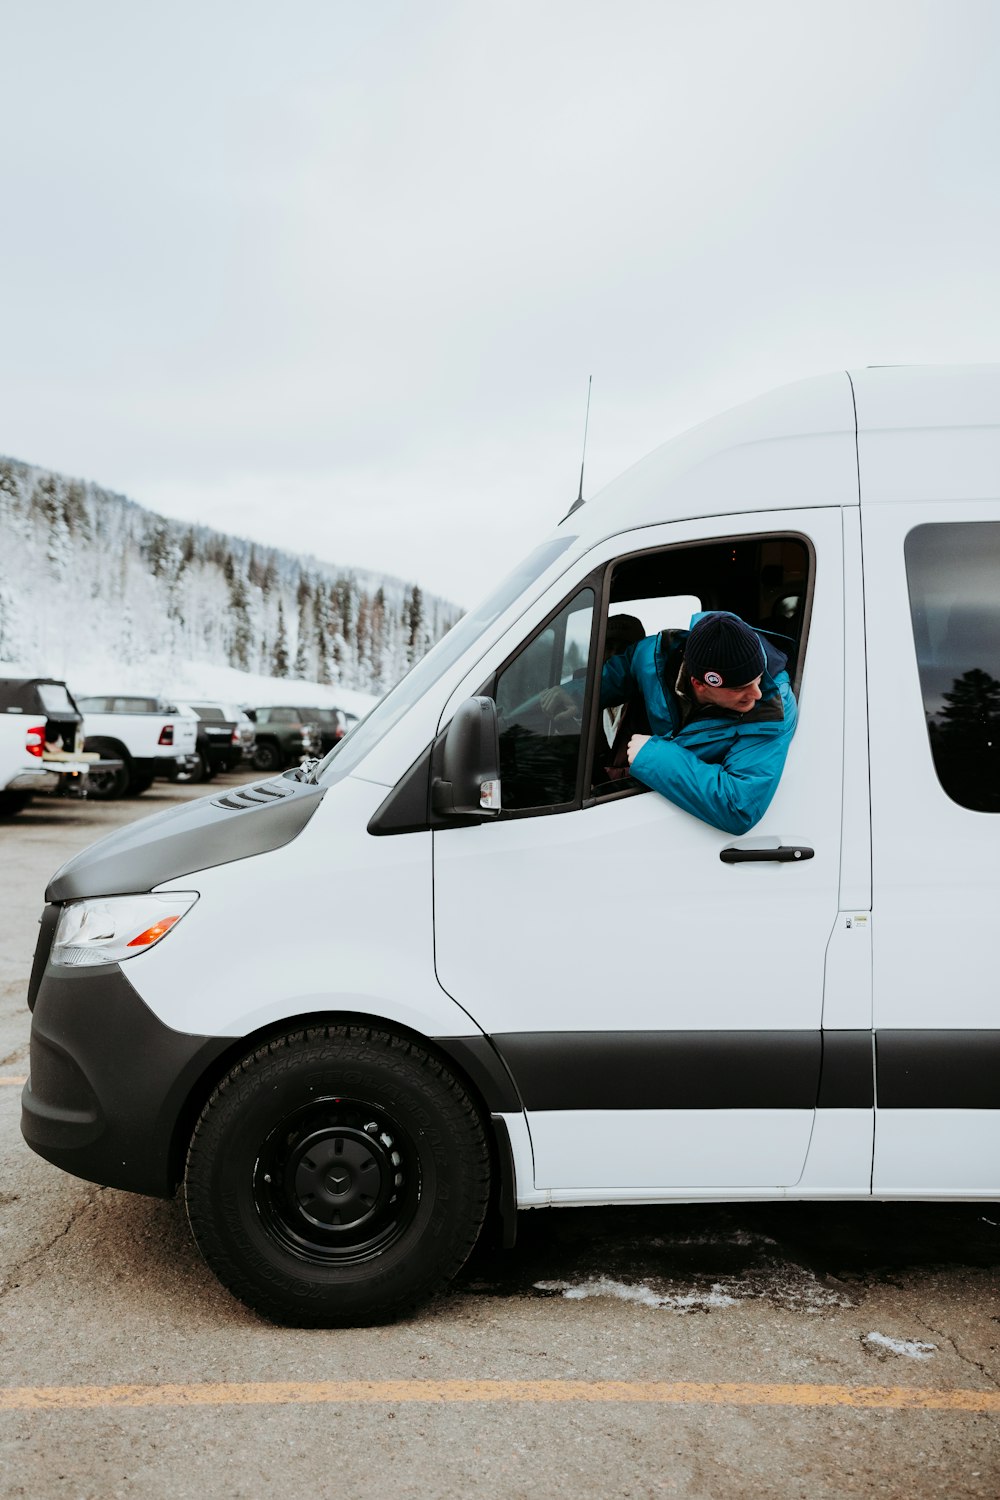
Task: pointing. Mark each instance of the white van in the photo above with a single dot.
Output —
(449, 973)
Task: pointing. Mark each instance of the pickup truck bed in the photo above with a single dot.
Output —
(41, 743)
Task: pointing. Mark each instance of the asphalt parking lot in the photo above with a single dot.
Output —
(773, 1350)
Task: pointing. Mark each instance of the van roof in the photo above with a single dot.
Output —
(799, 446)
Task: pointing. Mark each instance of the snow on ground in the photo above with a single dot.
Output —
(880, 1343)
(765, 1275)
(604, 1286)
(166, 677)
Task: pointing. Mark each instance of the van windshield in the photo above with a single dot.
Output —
(355, 745)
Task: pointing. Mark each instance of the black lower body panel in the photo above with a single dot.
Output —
(108, 1081)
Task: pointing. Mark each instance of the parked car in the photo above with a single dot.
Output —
(149, 735)
(331, 722)
(285, 736)
(225, 735)
(247, 731)
(41, 743)
(428, 1009)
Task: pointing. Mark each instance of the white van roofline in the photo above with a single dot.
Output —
(796, 446)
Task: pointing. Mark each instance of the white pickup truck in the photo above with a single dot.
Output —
(41, 743)
(148, 736)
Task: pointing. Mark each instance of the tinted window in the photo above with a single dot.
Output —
(134, 705)
(540, 699)
(953, 574)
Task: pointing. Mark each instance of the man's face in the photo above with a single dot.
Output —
(738, 699)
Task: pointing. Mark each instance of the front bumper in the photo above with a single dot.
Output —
(110, 1086)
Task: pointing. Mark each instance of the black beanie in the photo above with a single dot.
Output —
(723, 651)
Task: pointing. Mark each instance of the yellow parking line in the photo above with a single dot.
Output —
(445, 1392)
(12, 1082)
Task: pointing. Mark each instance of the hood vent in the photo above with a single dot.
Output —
(251, 796)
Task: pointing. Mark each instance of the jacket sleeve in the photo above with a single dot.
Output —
(732, 794)
(618, 680)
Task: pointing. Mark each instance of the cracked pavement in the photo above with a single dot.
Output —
(99, 1288)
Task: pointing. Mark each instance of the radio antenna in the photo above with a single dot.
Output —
(583, 457)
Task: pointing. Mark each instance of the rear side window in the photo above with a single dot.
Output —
(55, 699)
(123, 705)
(953, 576)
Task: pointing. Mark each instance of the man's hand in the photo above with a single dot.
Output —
(635, 744)
(555, 701)
(562, 708)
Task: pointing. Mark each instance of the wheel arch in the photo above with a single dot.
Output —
(107, 743)
(472, 1060)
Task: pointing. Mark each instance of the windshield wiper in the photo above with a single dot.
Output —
(304, 771)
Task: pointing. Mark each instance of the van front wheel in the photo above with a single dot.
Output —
(337, 1177)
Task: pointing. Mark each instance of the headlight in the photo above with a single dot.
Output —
(109, 929)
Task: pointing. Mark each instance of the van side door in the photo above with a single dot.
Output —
(659, 1008)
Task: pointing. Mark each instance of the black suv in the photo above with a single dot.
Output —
(218, 745)
(285, 736)
(331, 723)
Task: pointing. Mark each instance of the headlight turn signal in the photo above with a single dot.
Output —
(109, 929)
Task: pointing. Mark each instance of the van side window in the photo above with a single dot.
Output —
(766, 580)
(953, 576)
(540, 702)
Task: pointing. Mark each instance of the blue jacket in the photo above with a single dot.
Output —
(719, 766)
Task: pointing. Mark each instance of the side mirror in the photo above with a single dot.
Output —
(469, 784)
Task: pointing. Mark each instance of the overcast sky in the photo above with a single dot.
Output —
(334, 275)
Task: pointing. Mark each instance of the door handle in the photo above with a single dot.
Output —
(785, 853)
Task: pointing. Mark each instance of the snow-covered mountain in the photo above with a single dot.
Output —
(92, 583)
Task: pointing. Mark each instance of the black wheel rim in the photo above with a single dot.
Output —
(337, 1181)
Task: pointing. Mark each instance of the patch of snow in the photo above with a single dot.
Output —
(790, 1286)
(911, 1348)
(603, 1286)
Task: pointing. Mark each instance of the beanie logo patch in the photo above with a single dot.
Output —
(713, 679)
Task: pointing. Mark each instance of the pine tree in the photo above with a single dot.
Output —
(415, 621)
(305, 601)
(242, 629)
(973, 709)
(77, 514)
(279, 657)
(301, 668)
